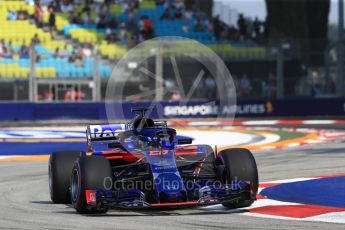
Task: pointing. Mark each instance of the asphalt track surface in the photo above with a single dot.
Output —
(25, 202)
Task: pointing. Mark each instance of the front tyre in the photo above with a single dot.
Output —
(239, 164)
(89, 173)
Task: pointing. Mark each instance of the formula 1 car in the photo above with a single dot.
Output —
(144, 164)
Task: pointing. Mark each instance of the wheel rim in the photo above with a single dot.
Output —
(74, 185)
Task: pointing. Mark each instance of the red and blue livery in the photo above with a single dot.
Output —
(145, 164)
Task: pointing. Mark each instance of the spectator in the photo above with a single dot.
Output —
(67, 6)
(175, 96)
(169, 85)
(96, 7)
(166, 14)
(233, 34)
(269, 88)
(30, 2)
(190, 4)
(205, 22)
(24, 51)
(131, 42)
(108, 32)
(72, 57)
(12, 15)
(179, 9)
(315, 84)
(86, 51)
(148, 29)
(76, 58)
(134, 4)
(315, 90)
(3, 49)
(101, 24)
(5, 53)
(185, 28)
(210, 85)
(241, 23)
(245, 86)
(210, 27)
(56, 4)
(188, 14)
(257, 29)
(111, 36)
(141, 36)
(167, 4)
(10, 49)
(87, 19)
(35, 40)
(65, 52)
(131, 24)
(70, 18)
(266, 29)
(160, 2)
(38, 14)
(104, 10)
(51, 21)
(87, 8)
(141, 23)
(235, 80)
(22, 15)
(217, 27)
(123, 34)
(199, 27)
(112, 22)
(57, 53)
(78, 19)
(2, 46)
(48, 96)
(71, 95)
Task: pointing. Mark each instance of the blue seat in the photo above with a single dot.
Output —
(79, 72)
(62, 73)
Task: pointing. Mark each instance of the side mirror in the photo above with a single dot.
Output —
(184, 141)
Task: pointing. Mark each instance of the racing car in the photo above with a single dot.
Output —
(145, 164)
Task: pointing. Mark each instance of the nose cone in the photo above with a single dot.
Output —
(168, 182)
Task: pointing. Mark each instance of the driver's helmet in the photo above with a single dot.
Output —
(142, 122)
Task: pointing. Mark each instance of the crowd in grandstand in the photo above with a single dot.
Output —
(135, 29)
(98, 13)
(269, 86)
(17, 15)
(7, 51)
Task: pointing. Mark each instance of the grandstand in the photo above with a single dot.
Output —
(43, 59)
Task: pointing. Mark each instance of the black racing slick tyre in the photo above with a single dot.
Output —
(59, 169)
(89, 173)
(239, 164)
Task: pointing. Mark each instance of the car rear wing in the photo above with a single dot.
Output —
(105, 132)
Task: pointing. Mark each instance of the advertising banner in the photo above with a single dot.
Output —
(165, 110)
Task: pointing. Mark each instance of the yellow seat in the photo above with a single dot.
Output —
(9, 72)
(15, 72)
(51, 72)
(38, 73)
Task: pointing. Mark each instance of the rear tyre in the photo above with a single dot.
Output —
(59, 169)
(89, 173)
(239, 164)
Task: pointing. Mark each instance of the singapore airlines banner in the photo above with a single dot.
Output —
(165, 110)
